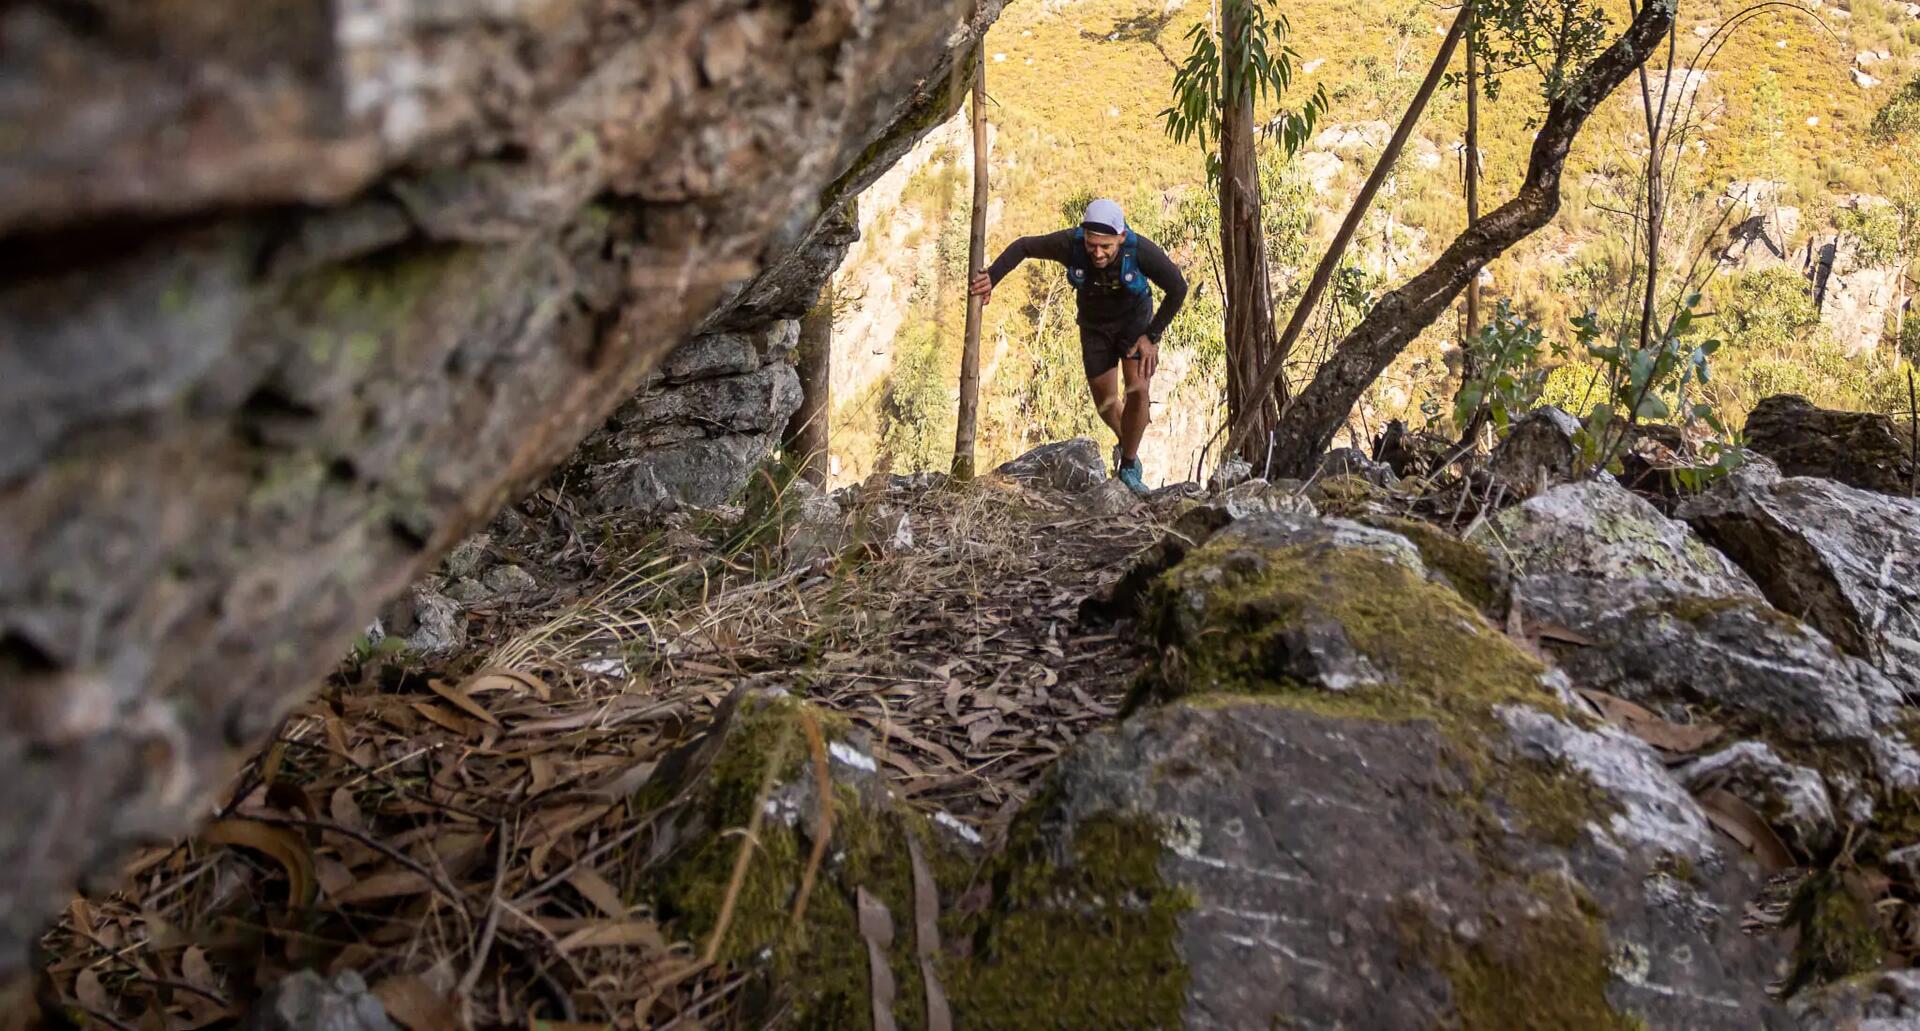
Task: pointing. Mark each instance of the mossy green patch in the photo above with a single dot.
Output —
(817, 971)
(1838, 936)
(1470, 568)
(1229, 617)
(1546, 970)
(1088, 942)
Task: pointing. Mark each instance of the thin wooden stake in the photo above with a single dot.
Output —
(963, 433)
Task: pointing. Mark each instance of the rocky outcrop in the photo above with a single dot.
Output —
(296, 297)
(1859, 449)
(1598, 529)
(1854, 294)
(1381, 813)
(1845, 560)
(697, 429)
(1764, 235)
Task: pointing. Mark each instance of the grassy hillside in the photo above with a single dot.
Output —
(1077, 89)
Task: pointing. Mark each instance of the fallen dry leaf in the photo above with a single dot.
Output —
(1650, 726)
(279, 844)
(413, 1003)
(384, 885)
(597, 890)
(620, 933)
(457, 696)
(1738, 820)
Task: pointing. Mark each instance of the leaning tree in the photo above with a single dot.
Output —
(1574, 93)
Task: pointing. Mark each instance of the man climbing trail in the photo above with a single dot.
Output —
(1109, 267)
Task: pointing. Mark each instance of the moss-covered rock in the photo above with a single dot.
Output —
(1838, 935)
(1083, 932)
(815, 970)
(1384, 814)
(1469, 567)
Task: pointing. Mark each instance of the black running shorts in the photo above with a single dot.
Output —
(1102, 347)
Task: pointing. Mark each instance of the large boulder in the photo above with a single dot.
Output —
(1069, 465)
(298, 294)
(1860, 449)
(1599, 529)
(1365, 808)
(1845, 560)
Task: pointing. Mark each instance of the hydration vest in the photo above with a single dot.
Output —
(1081, 273)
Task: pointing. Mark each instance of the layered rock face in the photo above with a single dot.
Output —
(297, 294)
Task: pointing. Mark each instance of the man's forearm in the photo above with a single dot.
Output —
(1176, 295)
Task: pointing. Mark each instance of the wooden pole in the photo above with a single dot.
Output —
(963, 433)
(1473, 177)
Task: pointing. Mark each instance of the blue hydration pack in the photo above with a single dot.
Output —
(1080, 270)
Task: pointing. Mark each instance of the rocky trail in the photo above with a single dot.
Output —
(1348, 752)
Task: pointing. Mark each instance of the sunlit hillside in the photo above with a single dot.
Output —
(1077, 90)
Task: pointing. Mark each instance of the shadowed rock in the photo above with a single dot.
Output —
(1860, 449)
(299, 294)
(1069, 465)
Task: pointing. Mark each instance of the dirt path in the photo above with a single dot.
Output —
(460, 833)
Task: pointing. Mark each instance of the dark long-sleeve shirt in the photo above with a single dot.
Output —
(1101, 303)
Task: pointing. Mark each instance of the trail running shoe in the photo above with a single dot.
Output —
(1130, 475)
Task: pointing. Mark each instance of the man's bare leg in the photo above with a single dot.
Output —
(1137, 412)
(1108, 401)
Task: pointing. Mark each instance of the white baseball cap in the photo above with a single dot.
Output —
(1104, 216)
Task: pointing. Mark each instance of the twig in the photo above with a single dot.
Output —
(502, 852)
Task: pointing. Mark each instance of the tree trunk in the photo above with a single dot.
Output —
(963, 433)
(1400, 316)
(1243, 426)
(1249, 305)
(806, 437)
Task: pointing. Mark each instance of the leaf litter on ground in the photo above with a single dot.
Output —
(461, 833)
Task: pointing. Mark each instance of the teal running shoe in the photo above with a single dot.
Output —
(1130, 475)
